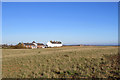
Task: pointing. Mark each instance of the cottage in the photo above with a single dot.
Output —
(54, 44)
(40, 45)
(33, 45)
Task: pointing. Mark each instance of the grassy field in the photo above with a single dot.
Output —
(64, 62)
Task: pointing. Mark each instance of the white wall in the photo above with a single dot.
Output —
(35, 45)
(49, 44)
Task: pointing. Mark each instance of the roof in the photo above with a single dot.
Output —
(40, 44)
(33, 42)
(28, 44)
(56, 42)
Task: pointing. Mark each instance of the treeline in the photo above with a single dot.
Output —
(18, 46)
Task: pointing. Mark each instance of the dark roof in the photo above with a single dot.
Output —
(55, 42)
(28, 44)
(40, 44)
(33, 42)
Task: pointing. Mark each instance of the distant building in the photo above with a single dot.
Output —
(33, 45)
(81, 45)
(54, 44)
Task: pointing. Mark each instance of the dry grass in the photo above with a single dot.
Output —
(64, 62)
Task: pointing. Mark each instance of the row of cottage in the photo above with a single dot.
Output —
(41, 45)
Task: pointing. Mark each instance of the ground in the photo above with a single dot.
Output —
(64, 62)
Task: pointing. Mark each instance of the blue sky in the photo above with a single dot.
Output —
(71, 23)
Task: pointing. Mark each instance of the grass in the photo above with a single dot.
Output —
(64, 62)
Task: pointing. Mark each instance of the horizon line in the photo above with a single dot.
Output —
(75, 44)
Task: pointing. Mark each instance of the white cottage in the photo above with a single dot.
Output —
(54, 44)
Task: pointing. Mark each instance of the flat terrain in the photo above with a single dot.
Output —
(64, 62)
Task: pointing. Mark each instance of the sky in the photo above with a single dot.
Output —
(69, 22)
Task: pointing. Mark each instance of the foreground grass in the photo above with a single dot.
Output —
(65, 62)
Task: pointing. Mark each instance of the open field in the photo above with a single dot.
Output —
(64, 62)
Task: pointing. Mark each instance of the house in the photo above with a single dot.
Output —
(40, 45)
(33, 45)
(54, 44)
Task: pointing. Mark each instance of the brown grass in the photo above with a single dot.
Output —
(64, 62)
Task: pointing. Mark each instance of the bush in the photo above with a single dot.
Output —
(18, 46)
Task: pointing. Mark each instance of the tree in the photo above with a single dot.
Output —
(20, 46)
